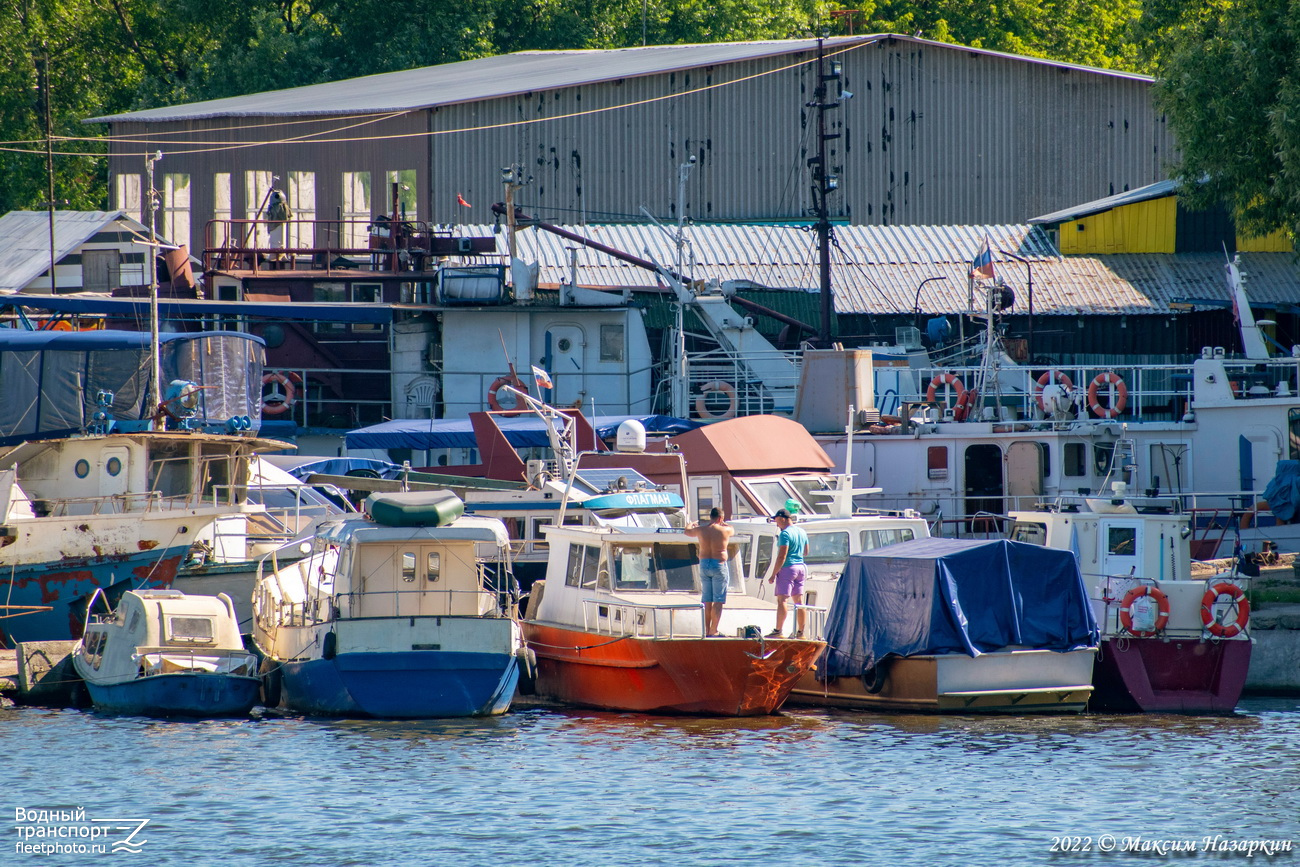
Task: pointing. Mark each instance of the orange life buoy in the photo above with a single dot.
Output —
(514, 382)
(1162, 609)
(716, 387)
(965, 405)
(1119, 399)
(1050, 376)
(1240, 607)
(280, 399)
(946, 379)
(56, 325)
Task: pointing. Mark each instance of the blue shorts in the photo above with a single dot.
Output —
(713, 577)
(789, 581)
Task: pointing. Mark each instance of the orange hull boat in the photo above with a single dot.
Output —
(712, 676)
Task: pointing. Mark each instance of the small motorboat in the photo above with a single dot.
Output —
(163, 653)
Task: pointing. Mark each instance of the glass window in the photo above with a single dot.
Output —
(406, 193)
(675, 563)
(329, 293)
(771, 494)
(573, 574)
(127, 195)
(611, 343)
(817, 505)
(302, 201)
(590, 565)
(176, 208)
(538, 537)
(257, 191)
(1030, 532)
(356, 209)
(766, 551)
(222, 212)
(632, 569)
(196, 630)
(744, 546)
(827, 548)
(1101, 457)
(1073, 460)
(366, 293)
(1121, 541)
(408, 566)
(880, 538)
(705, 500)
(433, 566)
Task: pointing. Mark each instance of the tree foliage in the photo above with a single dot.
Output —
(1231, 87)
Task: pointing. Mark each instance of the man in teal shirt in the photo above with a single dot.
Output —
(788, 572)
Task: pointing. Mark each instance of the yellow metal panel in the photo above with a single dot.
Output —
(1142, 227)
(1275, 242)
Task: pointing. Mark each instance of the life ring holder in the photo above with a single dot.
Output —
(1120, 399)
(1162, 607)
(1240, 602)
(717, 386)
(965, 405)
(278, 402)
(1057, 376)
(514, 382)
(942, 379)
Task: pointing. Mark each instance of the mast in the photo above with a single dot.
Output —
(153, 395)
(825, 181)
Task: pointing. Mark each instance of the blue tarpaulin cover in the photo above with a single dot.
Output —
(522, 431)
(935, 596)
(1283, 492)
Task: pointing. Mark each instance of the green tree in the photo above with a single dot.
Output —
(1229, 85)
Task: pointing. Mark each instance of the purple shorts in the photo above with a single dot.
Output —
(789, 581)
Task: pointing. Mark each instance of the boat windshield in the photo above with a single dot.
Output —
(880, 538)
(827, 548)
(806, 489)
(1029, 531)
(663, 567)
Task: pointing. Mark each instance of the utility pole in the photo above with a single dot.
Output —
(49, 158)
(824, 181)
(154, 396)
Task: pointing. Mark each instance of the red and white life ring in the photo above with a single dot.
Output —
(944, 380)
(1240, 607)
(1118, 396)
(965, 405)
(280, 399)
(725, 389)
(1162, 609)
(514, 382)
(1055, 376)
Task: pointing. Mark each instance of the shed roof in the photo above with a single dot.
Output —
(25, 240)
(751, 444)
(511, 74)
(1158, 190)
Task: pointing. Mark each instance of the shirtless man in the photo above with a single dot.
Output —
(713, 538)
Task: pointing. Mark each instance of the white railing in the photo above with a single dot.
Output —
(645, 621)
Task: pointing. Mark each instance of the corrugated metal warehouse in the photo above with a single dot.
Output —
(933, 134)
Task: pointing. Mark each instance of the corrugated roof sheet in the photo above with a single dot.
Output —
(879, 269)
(510, 74)
(25, 240)
(1158, 190)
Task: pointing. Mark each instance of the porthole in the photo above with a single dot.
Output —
(114, 466)
(82, 468)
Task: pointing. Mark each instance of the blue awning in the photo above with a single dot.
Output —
(173, 309)
(520, 431)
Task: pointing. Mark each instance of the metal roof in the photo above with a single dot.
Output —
(511, 74)
(879, 269)
(25, 240)
(1158, 190)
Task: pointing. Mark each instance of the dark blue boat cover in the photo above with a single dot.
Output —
(955, 596)
(524, 431)
(1283, 492)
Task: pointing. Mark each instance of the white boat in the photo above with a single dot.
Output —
(163, 653)
(407, 611)
(1170, 643)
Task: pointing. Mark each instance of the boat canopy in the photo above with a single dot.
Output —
(523, 431)
(50, 379)
(1283, 492)
(971, 596)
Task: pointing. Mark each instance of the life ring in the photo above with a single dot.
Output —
(56, 325)
(278, 401)
(716, 387)
(1241, 605)
(965, 405)
(1051, 376)
(1162, 608)
(514, 382)
(944, 379)
(1119, 401)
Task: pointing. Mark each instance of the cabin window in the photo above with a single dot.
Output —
(705, 500)
(190, 630)
(880, 538)
(936, 462)
(771, 494)
(1121, 541)
(408, 566)
(590, 565)
(329, 293)
(741, 548)
(538, 537)
(1102, 453)
(766, 551)
(818, 505)
(827, 548)
(1293, 425)
(366, 293)
(1029, 532)
(356, 209)
(573, 574)
(128, 197)
(1168, 463)
(1073, 461)
(176, 208)
(611, 343)
(632, 569)
(301, 232)
(675, 563)
(433, 566)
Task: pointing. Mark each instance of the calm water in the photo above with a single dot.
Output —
(585, 788)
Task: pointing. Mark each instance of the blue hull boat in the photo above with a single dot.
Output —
(196, 694)
(411, 684)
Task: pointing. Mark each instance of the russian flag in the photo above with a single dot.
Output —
(542, 377)
(981, 267)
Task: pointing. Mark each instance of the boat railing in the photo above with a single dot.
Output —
(157, 660)
(722, 384)
(607, 617)
(815, 624)
(113, 504)
(319, 245)
(464, 392)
